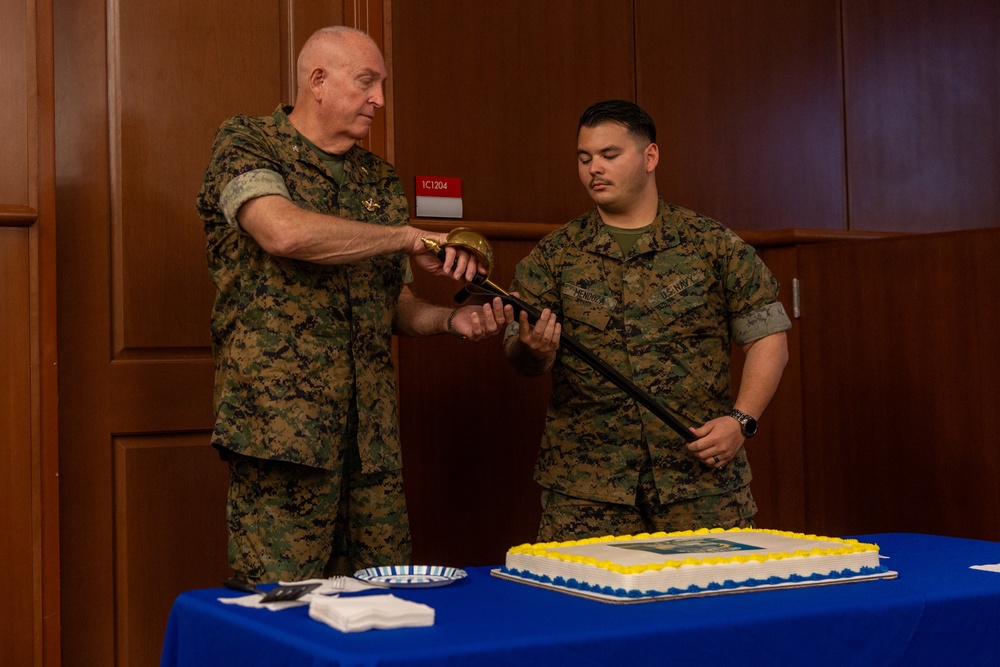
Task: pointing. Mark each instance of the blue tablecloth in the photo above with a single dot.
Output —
(938, 611)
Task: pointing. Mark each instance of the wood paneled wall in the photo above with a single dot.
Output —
(29, 513)
(491, 92)
(141, 89)
(748, 102)
(921, 88)
(17, 520)
(899, 385)
(771, 116)
(830, 114)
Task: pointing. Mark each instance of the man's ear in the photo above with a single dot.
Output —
(317, 78)
(652, 155)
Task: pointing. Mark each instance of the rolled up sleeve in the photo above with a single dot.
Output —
(758, 323)
(247, 186)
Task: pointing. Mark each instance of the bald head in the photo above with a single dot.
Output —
(328, 46)
(340, 76)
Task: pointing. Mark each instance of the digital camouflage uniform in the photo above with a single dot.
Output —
(665, 317)
(304, 373)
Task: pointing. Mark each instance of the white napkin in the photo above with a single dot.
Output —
(995, 567)
(381, 612)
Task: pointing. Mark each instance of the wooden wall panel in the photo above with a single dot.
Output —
(748, 105)
(164, 542)
(16, 521)
(29, 547)
(16, 473)
(85, 342)
(777, 453)
(491, 92)
(141, 93)
(922, 82)
(17, 63)
(168, 103)
(772, 115)
(899, 368)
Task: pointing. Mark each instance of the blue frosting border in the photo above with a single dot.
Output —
(729, 584)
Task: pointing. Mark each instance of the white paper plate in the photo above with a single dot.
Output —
(410, 576)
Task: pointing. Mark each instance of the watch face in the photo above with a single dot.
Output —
(748, 425)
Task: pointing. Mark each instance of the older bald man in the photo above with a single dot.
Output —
(309, 246)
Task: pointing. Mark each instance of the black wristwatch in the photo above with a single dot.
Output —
(747, 423)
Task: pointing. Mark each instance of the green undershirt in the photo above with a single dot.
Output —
(626, 238)
(333, 162)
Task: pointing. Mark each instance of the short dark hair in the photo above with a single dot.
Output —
(627, 114)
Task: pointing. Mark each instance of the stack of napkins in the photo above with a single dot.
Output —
(383, 612)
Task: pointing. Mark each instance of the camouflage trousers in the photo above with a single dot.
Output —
(290, 522)
(567, 518)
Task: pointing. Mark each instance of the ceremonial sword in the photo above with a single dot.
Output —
(479, 246)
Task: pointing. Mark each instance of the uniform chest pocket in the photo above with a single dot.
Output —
(593, 310)
(690, 306)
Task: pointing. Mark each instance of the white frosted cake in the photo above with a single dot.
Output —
(686, 563)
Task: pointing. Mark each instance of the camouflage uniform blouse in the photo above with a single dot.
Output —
(302, 350)
(665, 317)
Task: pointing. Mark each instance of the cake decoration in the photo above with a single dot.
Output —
(686, 563)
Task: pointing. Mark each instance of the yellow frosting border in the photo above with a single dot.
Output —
(544, 549)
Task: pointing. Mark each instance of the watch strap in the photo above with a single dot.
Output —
(748, 424)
